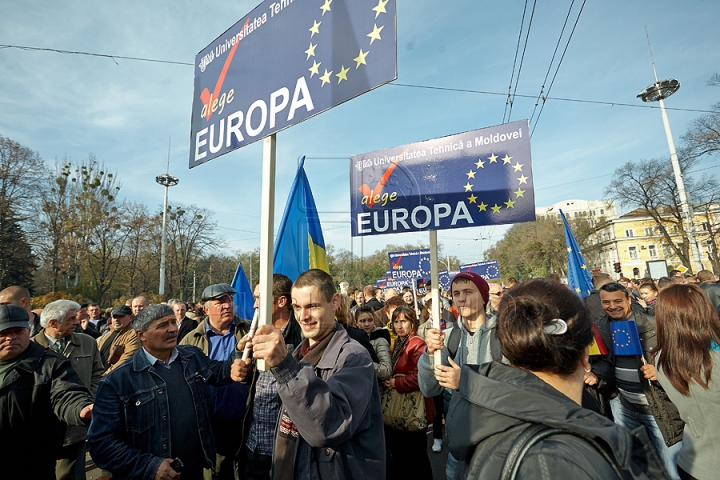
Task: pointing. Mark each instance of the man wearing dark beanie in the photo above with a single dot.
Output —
(472, 341)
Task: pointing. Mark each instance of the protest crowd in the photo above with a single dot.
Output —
(534, 383)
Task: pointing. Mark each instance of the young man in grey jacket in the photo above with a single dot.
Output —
(476, 343)
(331, 423)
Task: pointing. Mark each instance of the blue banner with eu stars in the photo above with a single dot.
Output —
(471, 179)
(489, 270)
(285, 61)
(409, 264)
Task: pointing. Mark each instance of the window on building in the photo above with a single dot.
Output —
(667, 251)
(602, 211)
(705, 226)
(648, 231)
(633, 253)
(629, 232)
(675, 229)
(652, 251)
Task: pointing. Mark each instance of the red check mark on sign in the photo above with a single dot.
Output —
(205, 96)
(370, 194)
(396, 263)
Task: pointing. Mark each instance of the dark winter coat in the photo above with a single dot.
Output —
(494, 403)
(665, 413)
(40, 393)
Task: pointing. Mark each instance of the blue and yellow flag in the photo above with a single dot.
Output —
(579, 278)
(243, 297)
(299, 244)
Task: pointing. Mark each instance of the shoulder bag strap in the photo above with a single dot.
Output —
(536, 433)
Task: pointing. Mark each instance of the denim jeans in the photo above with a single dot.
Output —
(450, 467)
(631, 420)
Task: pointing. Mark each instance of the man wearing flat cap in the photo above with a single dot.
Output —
(39, 391)
(155, 408)
(216, 335)
(120, 343)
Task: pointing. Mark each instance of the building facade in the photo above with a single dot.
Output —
(634, 239)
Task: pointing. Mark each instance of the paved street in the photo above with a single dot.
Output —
(437, 460)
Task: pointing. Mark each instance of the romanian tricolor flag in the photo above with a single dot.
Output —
(299, 244)
(598, 346)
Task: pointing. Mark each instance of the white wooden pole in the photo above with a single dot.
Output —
(434, 280)
(267, 230)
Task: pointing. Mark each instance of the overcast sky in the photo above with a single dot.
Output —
(124, 111)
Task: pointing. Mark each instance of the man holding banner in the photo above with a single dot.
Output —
(640, 400)
(472, 341)
(331, 423)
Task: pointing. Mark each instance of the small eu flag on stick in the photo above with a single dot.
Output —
(626, 340)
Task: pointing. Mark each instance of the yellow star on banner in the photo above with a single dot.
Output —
(577, 289)
(523, 179)
(468, 187)
(519, 193)
(480, 164)
(569, 249)
(482, 207)
(310, 51)
(470, 174)
(375, 34)
(496, 208)
(314, 69)
(509, 204)
(583, 266)
(380, 8)
(518, 167)
(326, 77)
(506, 159)
(472, 199)
(360, 59)
(326, 6)
(493, 158)
(315, 28)
(343, 74)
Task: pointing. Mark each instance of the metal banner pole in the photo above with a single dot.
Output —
(267, 229)
(434, 280)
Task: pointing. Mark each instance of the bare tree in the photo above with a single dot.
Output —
(22, 173)
(190, 235)
(650, 185)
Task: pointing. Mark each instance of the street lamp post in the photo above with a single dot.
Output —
(166, 181)
(657, 92)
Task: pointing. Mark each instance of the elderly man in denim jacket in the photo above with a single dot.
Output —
(156, 407)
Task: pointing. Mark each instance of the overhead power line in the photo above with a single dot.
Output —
(561, 99)
(558, 65)
(552, 60)
(409, 85)
(90, 54)
(509, 100)
(522, 59)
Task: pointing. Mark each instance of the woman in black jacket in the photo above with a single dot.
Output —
(544, 333)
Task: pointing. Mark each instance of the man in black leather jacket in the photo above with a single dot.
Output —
(39, 391)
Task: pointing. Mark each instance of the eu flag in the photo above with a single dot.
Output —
(243, 297)
(299, 244)
(625, 338)
(579, 277)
